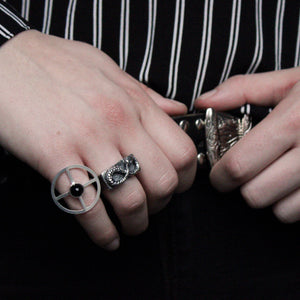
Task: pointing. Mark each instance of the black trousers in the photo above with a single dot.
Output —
(202, 246)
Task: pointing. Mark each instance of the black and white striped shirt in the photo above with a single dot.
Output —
(181, 48)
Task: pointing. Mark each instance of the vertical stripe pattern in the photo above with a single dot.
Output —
(176, 48)
(144, 73)
(259, 38)
(278, 33)
(69, 28)
(297, 52)
(233, 39)
(97, 23)
(180, 39)
(47, 16)
(205, 49)
(124, 34)
(25, 9)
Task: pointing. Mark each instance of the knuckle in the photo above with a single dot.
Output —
(115, 113)
(237, 79)
(134, 91)
(234, 170)
(132, 203)
(138, 94)
(167, 184)
(187, 156)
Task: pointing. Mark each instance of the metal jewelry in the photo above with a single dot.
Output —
(222, 132)
(112, 177)
(119, 172)
(76, 190)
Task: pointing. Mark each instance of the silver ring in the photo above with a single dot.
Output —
(112, 177)
(76, 190)
(119, 172)
(133, 164)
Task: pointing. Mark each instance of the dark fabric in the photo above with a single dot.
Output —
(46, 254)
(204, 245)
(10, 25)
(216, 247)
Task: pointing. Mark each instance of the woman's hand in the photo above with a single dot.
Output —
(266, 162)
(64, 103)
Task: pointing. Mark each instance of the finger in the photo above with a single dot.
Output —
(266, 142)
(157, 175)
(128, 199)
(96, 221)
(287, 210)
(169, 106)
(265, 89)
(258, 149)
(275, 182)
(174, 143)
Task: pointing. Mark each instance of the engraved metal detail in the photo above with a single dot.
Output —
(133, 164)
(222, 132)
(119, 172)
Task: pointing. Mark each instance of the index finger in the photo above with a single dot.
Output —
(258, 149)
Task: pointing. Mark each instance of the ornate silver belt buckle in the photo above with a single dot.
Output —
(223, 131)
(214, 133)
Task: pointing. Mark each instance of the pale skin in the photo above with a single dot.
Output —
(64, 103)
(265, 164)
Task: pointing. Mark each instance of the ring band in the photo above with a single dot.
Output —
(119, 172)
(112, 177)
(133, 164)
(76, 190)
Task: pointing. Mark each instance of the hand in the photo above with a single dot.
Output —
(266, 162)
(64, 102)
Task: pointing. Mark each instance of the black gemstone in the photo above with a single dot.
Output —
(76, 190)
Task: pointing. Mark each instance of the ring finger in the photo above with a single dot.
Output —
(128, 199)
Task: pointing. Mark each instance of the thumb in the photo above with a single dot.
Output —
(264, 89)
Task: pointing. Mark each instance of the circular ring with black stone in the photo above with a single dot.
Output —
(76, 190)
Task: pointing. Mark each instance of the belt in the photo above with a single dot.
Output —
(213, 133)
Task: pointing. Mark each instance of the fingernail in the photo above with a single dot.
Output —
(114, 245)
(208, 94)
